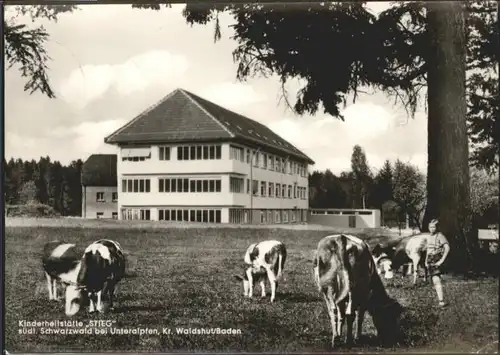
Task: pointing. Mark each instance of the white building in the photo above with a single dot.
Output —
(188, 159)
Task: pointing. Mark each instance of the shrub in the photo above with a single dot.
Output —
(30, 210)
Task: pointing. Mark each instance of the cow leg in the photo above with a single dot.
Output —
(49, 285)
(350, 323)
(54, 284)
(340, 319)
(360, 315)
(263, 288)
(415, 271)
(250, 283)
(99, 302)
(111, 294)
(272, 281)
(91, 303)
(330, 305)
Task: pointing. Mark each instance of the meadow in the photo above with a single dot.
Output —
(182, 276)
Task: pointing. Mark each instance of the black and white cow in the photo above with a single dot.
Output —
(346, 275)
(102, 267)
(60, 262)
(411, 250)
(383, 260)
(266, 260)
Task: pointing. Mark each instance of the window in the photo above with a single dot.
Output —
(135, 154)
(270, 162)
(189, 185)
(294, 190)
(262, 216)
(164, 153)
(99, 197)
(289, 191)
(263, 188)
(236, 184)
(114, 215)
(217, 216)
(283, 191)
(255, 159)
(277, 164)
(99, 215)
(136, 185)
(277, 216)
(248, 156)
(137, 214)
(293, 215)
(248, 186)
(199, 152)
(263, 161)
(271, 189)
(283, 165)
(255, 187)
(236, 153)
(285, 216)
(278, 190)
(114, 197)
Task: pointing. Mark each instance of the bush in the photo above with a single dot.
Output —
(30, 210)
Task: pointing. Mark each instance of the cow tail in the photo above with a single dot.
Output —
(344, 273)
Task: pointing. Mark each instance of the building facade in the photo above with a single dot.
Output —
(99, 188)
(187, 159)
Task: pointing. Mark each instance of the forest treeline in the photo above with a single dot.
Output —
(398, 189)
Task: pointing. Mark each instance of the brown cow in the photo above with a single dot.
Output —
(346, 275)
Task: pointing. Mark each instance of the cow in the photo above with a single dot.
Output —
(60, 262)
(265, 259)
(382, 258)
(346, 276)
(102, 267)
(413, 250)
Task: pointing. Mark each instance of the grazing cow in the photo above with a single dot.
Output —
(346, 275)
(411, 249)
(60, 263)
(265, 259)
(383, 261)
(102, 267)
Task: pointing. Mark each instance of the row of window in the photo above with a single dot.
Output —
(99, 197)
(271, 189)
(136, 185)
(214, 152)
(142, 214)
(189, 215)
(100, 215)
(236, 185)
(239, 216)
(189, 185)
(267, 161)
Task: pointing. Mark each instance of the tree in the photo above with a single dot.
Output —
(400, 52)
(482, 83)
(382, 188)
(362, 176)
(409, 191)
(28, 193)
(484, 191)
(409, 47)
(24, 47)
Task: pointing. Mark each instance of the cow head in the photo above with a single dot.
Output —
(93, 271)
(385, 311)
(249, 272)
(383, 261)
(74, 299)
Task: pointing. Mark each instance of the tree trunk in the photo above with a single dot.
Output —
(448, 191)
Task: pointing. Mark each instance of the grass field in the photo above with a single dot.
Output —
(182, 277)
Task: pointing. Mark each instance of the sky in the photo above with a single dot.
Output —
(111, 62)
